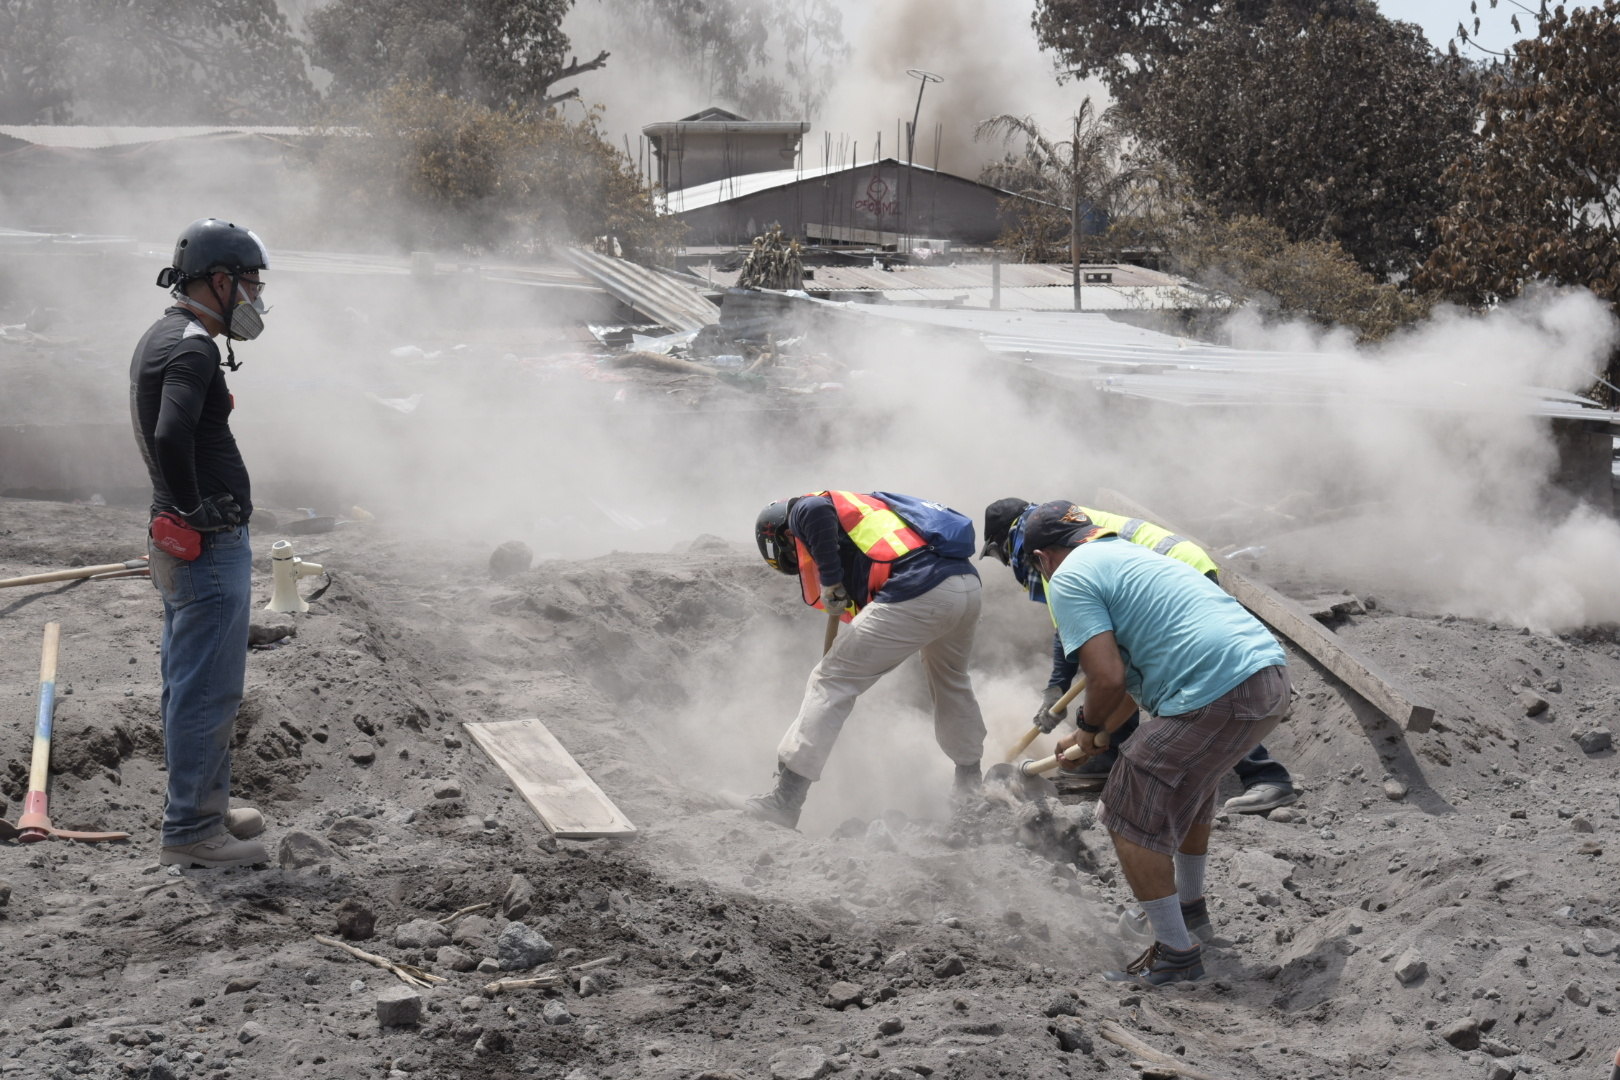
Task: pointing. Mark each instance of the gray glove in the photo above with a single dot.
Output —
(835, 598)
(1045, 718)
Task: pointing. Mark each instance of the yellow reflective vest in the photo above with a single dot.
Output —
(1149, 535)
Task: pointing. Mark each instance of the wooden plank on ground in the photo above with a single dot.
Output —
(1289, 618)
(550, 780)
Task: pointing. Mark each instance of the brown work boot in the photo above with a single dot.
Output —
(780, 806)
(1161, 964)
(244, 822)
(215, 853)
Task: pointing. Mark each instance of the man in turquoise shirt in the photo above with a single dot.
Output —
(1215, 682)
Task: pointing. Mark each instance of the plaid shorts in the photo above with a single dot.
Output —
(1165, 780)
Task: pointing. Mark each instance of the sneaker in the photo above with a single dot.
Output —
(244, 822)
(1262, 797)
(1196, 916)
(214, 853)
(1162, 964)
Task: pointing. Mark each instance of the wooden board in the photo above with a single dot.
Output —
(550, 780)
(1289, 618)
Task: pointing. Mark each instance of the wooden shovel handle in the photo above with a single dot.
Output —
(74, 574)
(832, 632)
(1046, 764)
(1035, 729)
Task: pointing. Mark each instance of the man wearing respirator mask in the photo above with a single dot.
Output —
(198, 544)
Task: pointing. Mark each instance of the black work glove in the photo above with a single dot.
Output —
(1045, 718)
(216, 513)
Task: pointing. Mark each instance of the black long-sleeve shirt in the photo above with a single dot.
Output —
(181, 410)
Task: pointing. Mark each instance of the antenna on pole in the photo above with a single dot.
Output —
(923, 79)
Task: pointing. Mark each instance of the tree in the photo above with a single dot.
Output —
(1538, 199)
(498, 53)
(1255, 264)
(425, 170)
(149, 62)
(765, 58)
(1126, 42)
(1087, 170)
(1331, 128)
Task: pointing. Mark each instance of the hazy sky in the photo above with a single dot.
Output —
(1439, 19)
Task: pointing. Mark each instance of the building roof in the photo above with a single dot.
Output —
(712, 113)
(715, 192)
(84, 137)
(1024, 286)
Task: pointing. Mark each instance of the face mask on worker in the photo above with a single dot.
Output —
(247, 317)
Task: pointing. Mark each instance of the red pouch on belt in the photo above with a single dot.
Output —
(173, 535)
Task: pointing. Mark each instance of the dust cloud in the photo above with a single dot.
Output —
(1004, 72)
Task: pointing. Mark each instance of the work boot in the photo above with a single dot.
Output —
(1161, 964)
(780, 806)
(244, 822)
(967, 783)
(1262, 797)
(215, 853)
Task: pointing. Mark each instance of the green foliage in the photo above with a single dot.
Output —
(1254, 262)
(1331, 128)
(149, 62)
(1126, 42)
(1539, 196)
(498, 53)
(420, 169)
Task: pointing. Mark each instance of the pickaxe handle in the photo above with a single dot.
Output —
(1035, 729)
(1046, 764)
(76, 572)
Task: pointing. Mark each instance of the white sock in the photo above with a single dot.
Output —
(1169, 928)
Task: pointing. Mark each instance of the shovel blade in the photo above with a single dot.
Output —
(1011, 780)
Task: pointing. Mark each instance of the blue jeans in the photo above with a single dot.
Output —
(204, 663)
(1259, 767)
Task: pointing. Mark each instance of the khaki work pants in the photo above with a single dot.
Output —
(939, 624)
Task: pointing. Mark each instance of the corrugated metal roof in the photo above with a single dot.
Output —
(715, 192)
(90, 138)
(1024, 286)
(647, 292)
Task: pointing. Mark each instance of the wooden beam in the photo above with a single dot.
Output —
(550, 780)
(1289, 618)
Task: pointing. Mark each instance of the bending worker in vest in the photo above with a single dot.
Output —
(1214, 683)
(901, 590)
(1266, 781)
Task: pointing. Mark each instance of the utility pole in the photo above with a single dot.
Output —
(1074, 213)
(923, 79)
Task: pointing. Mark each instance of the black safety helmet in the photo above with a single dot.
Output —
(776, 544)
(209, 244)
(998, 522)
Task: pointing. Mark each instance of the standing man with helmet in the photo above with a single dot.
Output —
(897, 569)
(1212, 679)
(1266, 782)
(198, 544)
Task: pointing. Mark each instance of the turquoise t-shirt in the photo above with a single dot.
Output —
(1184, 641)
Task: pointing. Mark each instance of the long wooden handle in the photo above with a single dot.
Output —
(1046, 764)
(41, 763)
(1035, 729)
(69, 575)
(832, 632)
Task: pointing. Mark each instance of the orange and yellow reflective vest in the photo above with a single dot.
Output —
(871, 526)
